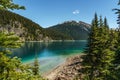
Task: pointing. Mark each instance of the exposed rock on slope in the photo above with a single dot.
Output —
(26, 29)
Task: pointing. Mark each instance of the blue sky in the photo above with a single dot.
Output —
(51, 12)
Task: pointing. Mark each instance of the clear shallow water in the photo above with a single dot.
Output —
(49, 54)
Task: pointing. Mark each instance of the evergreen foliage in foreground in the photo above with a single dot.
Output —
(102, 61)
(23, 27)
(117, 56)
(98, 62)
(9, 4)
(12, 68)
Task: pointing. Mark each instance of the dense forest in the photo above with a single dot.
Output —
(21, 26)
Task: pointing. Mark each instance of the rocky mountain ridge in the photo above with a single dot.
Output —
(26, 29)
(72, 30)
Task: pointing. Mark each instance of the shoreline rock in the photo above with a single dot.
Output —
(69, 70)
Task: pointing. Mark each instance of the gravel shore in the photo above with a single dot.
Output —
(69, 70)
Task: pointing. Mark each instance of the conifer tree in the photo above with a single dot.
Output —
(96, 22)
(112, 46)
(9, 4)
(101, 22)
(105, 23)
(105, 52)
(90, 59)
(36, 66)
(118, 39)
(11, 68)
(7, 64)
(99, 56)
(117, 46)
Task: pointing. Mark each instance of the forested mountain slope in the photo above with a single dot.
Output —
(24, 28)
(28, 30)
(69, 30)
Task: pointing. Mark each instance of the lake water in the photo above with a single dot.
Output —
(49, 54)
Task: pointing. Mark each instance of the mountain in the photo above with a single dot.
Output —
(28, 30)
(69, 30)
(24, 28)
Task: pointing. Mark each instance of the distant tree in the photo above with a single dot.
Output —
(36, 70)
(36, 67)
(9, 4)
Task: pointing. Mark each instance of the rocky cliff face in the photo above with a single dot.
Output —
(26, 29)
(24, 34)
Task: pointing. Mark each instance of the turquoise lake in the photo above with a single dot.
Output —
(50, 54)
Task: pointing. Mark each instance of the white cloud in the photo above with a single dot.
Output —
(76, 12)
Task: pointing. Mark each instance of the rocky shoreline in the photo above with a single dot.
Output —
(69, 70)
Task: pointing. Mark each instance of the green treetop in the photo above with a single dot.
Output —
(118, 13)
(9, 4)
(99, 56)
(105, 23)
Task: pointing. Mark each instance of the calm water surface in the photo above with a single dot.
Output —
(49, 54)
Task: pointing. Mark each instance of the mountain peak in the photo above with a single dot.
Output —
(86, 24)
(70, 30)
